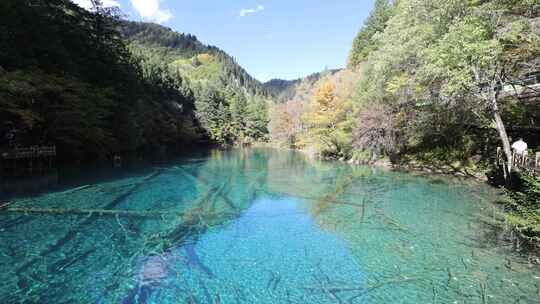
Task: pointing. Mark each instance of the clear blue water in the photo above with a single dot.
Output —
(260, 226)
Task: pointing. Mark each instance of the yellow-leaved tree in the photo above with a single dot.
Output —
(328, 122)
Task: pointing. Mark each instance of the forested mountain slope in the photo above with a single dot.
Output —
(231, 106)
(97, 86)
(186, 55)
(68, 79)
(440, 81)
(278, 87)
(319, 104)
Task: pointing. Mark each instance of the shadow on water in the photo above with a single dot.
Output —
(210, 206)
(69, 178)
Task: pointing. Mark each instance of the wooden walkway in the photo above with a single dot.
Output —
(529, 163)
(30, 152)
(27, 159)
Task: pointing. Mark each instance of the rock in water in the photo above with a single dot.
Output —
(154, 270)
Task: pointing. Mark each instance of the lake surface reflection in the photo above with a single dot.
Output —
(260, 226)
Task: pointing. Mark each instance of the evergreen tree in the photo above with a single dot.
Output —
(366, 41)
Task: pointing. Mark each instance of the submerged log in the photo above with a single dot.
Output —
(72, 233)
(5, 205)
(71, 260)
(326, 199)
(194, 260)
(218, 190)
(70, 191)
(392, 222)
(95, 212)
(192, 222)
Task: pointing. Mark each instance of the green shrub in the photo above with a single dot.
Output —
(524, 205)
(362, 156)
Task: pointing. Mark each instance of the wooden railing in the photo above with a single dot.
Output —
(521, 92)
(30, 152)
(529, 163)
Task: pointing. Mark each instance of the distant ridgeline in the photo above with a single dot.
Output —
(284, 90)
(96, 86)
(278, 87)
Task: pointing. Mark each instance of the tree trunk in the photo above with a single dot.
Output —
(504, 138)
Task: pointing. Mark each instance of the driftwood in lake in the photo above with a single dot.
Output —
(213, 206)
(92, 212)
(4, 205)
(218, 190)
(70, 260)
(100, 212)
(194, 222)
(72, 233)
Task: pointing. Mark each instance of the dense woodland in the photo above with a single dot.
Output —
(97, 86)
(430, 83)
(68, 79)
(433, 68)
(231, 106)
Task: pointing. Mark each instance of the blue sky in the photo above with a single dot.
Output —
(270, 39)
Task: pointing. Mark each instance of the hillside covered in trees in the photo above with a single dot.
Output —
(186, 55)
(429, 83)
(230, 104)
(284, 90)
(69, 80)
(96, 86)
(431, 78)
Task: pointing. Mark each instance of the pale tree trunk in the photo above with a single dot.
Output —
(504, 137)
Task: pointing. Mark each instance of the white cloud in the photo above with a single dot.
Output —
(248, 11)
(87, 4)
(110, 3)
(151, 10)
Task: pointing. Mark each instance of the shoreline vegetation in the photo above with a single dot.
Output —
(516, 223)
(512, 225)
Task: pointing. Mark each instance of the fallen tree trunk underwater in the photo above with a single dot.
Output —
(72, 233)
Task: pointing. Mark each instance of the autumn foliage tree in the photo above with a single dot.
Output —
(327, 122)
(376, 130)
(285, 123)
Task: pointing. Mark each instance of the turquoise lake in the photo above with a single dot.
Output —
(259, 226)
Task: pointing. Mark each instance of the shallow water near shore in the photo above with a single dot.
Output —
(260, 226)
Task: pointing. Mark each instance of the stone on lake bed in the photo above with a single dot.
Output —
(154, 270)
